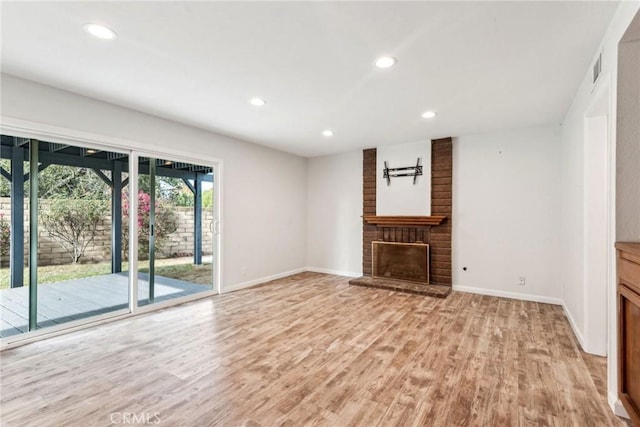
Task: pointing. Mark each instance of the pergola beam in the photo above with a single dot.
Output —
(170, 173)
(5, 173)
(53, 147)
(19, 142)
(189, 185)
(6, 152)
(104, 177)
(116, 156)
(55, 158)
(77, 161)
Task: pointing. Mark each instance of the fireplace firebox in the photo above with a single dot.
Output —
(402, 261)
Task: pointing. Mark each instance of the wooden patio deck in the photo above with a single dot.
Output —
(81, 298)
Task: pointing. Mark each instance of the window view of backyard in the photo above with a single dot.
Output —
(83, 232)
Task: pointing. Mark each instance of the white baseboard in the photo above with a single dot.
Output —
(505, 294)
(249, 283)
(334, 272)
(572, 322)
(254, 282)
(616, 405)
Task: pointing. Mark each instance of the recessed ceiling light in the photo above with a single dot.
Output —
(429, 114)
(328, 133)
(258, 102)
(386, 62)
(100, 31)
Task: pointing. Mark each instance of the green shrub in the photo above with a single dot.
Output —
(73, 223)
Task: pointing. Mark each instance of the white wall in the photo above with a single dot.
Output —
(402, 196)
(628, 141)
(594, 334)
(505, 225)
(264, 209)
(334, 209)
(577, 188)
(505, 206)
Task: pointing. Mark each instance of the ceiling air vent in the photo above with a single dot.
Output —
(597, 69)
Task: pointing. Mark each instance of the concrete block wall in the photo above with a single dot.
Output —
(50, 252)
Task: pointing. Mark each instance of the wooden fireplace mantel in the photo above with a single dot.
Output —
(404, 221)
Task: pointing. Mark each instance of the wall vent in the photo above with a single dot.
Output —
(597, 69)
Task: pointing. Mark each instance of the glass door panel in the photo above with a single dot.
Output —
(80, 227)
(14, 243)
(64, 220)
(175, 230)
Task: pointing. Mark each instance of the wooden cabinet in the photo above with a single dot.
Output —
(629, 328)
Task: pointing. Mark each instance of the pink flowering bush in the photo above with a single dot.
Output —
(166, 223)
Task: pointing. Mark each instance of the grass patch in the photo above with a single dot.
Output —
(200, 274)
(170, 267)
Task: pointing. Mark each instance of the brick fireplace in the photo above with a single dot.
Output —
(434, 230)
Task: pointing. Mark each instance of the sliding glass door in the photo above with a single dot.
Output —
(65, 234)
(68, 216)
(175, 230)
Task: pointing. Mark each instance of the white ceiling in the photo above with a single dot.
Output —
(481, 65)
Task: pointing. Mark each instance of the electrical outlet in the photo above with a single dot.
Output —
(522, 280)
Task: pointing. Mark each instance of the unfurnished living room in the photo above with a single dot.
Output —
(320, 213)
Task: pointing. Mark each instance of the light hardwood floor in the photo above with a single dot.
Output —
(311, 350)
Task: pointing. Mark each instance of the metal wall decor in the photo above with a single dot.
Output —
(413, 171)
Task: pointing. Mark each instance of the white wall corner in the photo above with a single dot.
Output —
(572, 322)
(333, 213)
(236, 287)
(254, 282)
(511, 295)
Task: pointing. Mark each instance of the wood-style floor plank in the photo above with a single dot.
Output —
(311, 350)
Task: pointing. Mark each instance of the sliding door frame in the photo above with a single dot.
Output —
(135, 150)
(216, 261)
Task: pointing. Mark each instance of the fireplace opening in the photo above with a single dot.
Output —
(402, 261)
